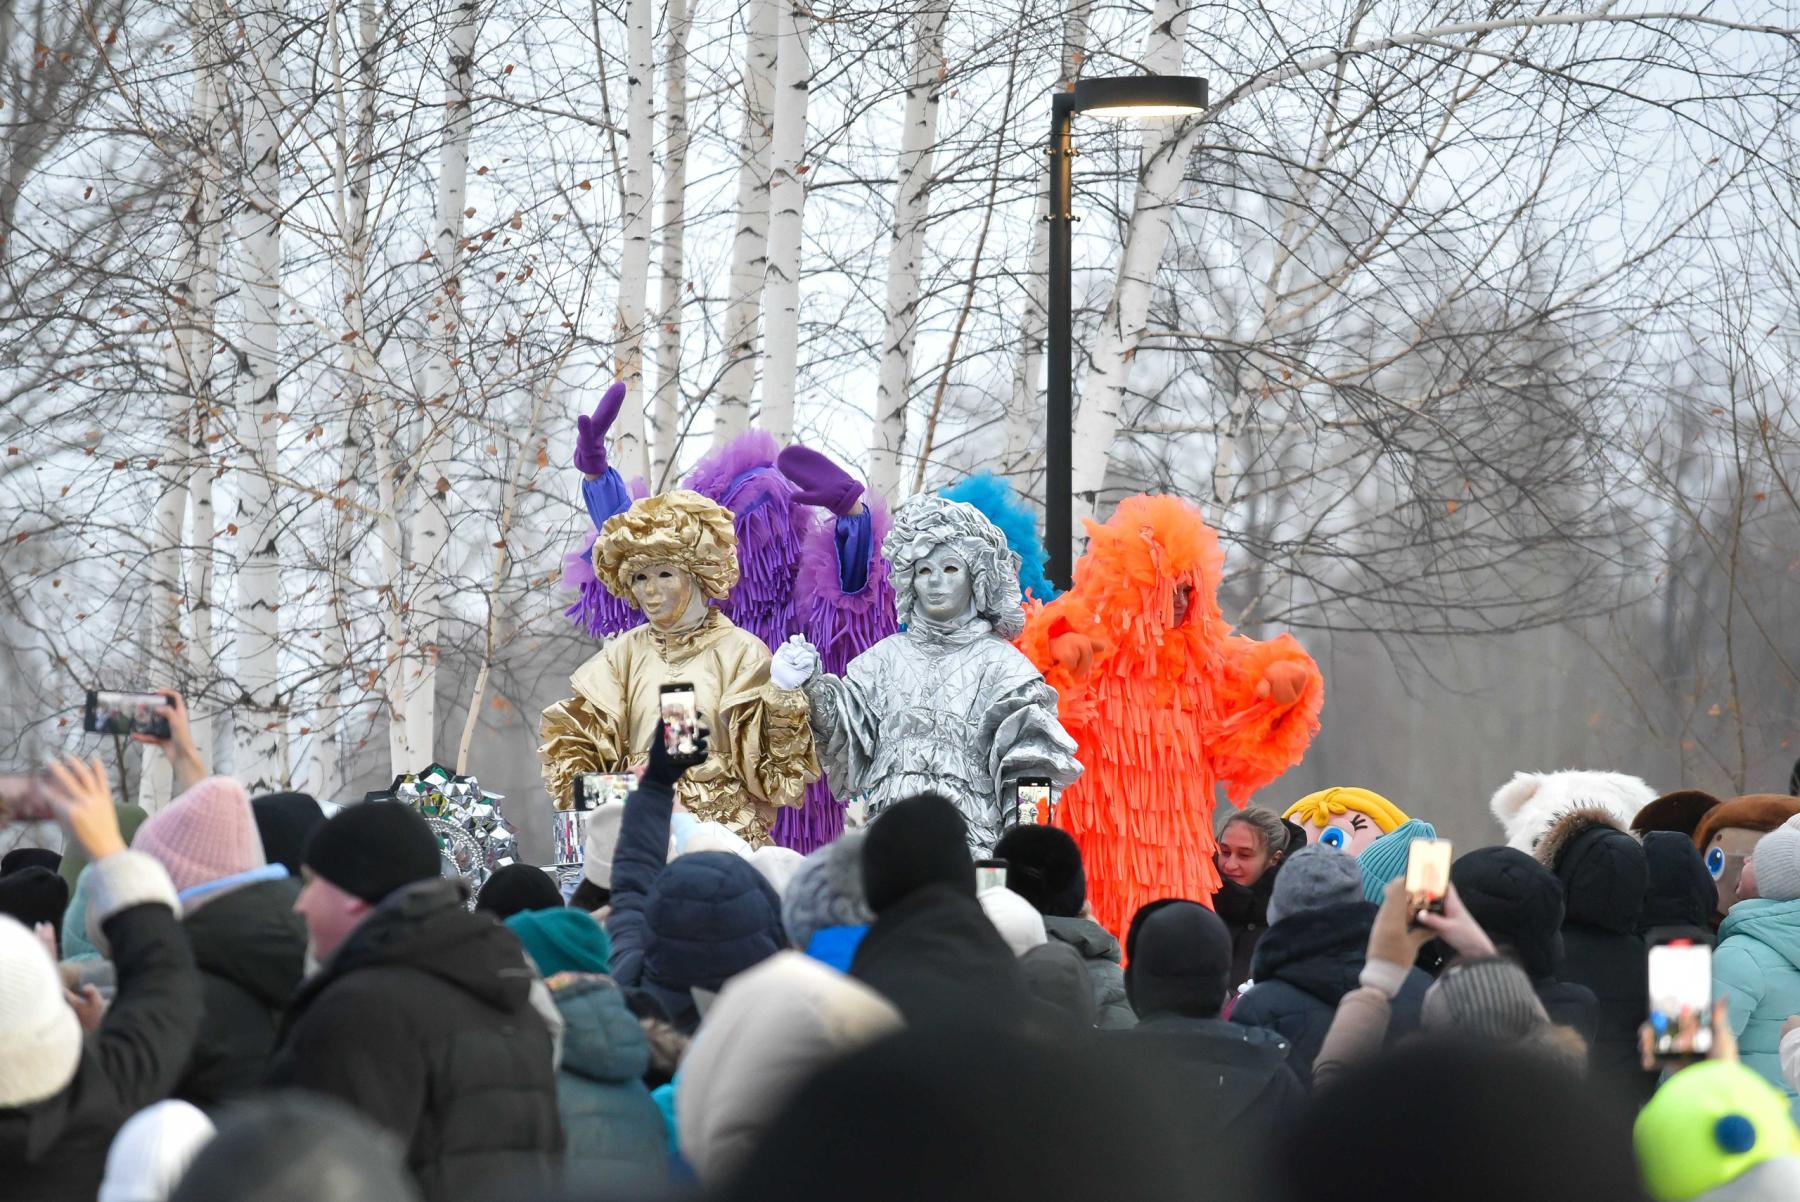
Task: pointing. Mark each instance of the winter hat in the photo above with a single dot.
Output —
(921, 841)
(772, 1027)
(152, 1151)
(1384, 860)
(1706, 1126)
(778, 866)
(21, 858)
(299, 1147)
(1517, 901)
(826, 891)
(206, 834)
(517, 888)
(40, 1038)
(286, 821)
(714, 836)
(75, 943)
(1178, 959)
(710, 916)
(1313, 878)
(1777, 857)
(1492, 998)
(1016, 919)
(373, 848)
(601, 841)
(33, 895)
(1043, 866)
(1602, 868)
(563, 941)
(1682, 892)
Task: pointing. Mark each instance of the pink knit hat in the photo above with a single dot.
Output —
(206, 834)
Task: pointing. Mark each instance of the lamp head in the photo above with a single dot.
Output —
(1141, 96)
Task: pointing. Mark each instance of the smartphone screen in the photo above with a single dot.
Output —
(681, 722)
(1681, 989)
(126, 713)
(1034, 802)
(596, 789)
(990, 874)
(1427, 875)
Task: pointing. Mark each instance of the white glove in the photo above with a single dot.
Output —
(794, 664)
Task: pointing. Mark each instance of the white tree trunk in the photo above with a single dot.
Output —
(259, 721)
(1025, 410)
(674, 217)
(1166, 147)
(628, 449)
(750, 243)
(912, 209)
(787, 213)
(429, 535)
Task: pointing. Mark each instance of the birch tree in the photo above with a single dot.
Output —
(628, 442)
(787, 213)
(750, 238)
(673, 221)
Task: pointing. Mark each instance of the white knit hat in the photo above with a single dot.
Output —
(40, 1037)
(152, 1151)
(777, 865)
(713, 836)
(1777, 857)
(1016, 919)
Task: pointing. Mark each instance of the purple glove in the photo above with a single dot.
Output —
(590, 431)
(820, 481)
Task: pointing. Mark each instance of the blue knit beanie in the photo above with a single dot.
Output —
(563, 941)
(1385, 859)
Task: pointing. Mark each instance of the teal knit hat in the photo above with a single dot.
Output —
(563, 940)
(1385, 859)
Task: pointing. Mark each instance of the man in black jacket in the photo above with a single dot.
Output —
(420, 1015)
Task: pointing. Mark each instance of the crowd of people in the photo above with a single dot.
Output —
(255, 999)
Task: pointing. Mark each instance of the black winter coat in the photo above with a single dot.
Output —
(423, 1021)
(1681, 893)
(1304, 964)
(1245, 913)
(937, 957)
(1232, 1082)
(250, 948)
(56, 1149)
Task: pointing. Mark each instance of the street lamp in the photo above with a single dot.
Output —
(1115, 96)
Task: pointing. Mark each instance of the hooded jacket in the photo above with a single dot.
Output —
(1234, 1082)
(614, 1132)
(1245, 911)
(935, 955)
(1757, 969)
(1519, 903)
(1605, 878)
(55, 1150)
(1681, 892)
(1304, 964)
(1101, 956)
(423, 1021)
(250, 948)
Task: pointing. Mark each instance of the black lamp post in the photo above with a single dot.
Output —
(1117, 96)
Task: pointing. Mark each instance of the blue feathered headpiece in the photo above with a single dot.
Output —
(1001, 505)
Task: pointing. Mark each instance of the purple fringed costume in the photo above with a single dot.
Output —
(784, 553)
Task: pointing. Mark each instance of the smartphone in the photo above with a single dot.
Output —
(990, 874)
(1035, 808)
(596, 789)
(1681, 995)
(126, 714)
(681, 723)
(1427, 875)
(24, 799)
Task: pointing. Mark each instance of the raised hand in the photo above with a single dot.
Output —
(820, 481)
(1074, 652)
(1282, 682)
(591, 428)
(179, 747)
(83, 802)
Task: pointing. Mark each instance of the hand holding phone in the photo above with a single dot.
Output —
(1681, 1001)
(682, 737)
(108, 713)
(1427, 875)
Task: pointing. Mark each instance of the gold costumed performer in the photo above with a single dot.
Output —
(673, 557)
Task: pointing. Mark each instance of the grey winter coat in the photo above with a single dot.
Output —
(1101, 955)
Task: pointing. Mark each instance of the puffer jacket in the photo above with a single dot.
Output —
(614, 1132)
(1101, 955)
(423, 1020)
(1681, 892)
(1757, 969)
(935, 955)
(1605, 878)
(1303, 966)
(694, 922)
(250, 947)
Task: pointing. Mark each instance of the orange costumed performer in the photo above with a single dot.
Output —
(1165, 702)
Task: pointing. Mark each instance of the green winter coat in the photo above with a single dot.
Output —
(615, 1137)
(1757, 969)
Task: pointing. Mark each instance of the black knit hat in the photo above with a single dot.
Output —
(1043, 866)
(517, 888)
(1178, 960)
(286, 821)
(21, 858)
(920, 841)
(33, 895)
(373, 848)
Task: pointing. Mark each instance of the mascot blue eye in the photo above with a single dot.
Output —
(1333, 837)
(1715, 862)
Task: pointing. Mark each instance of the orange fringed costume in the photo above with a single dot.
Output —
(1164, 711)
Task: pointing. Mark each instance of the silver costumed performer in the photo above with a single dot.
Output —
(948, 705)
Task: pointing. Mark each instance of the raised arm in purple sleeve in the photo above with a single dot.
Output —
(855, 544)
(604, 496)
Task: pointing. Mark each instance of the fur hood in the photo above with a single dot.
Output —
(1602, 867)
(1566, 827)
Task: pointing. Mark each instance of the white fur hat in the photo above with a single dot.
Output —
(152, 1151)
(1016, 919)
(40, 1037)
(778, 866)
